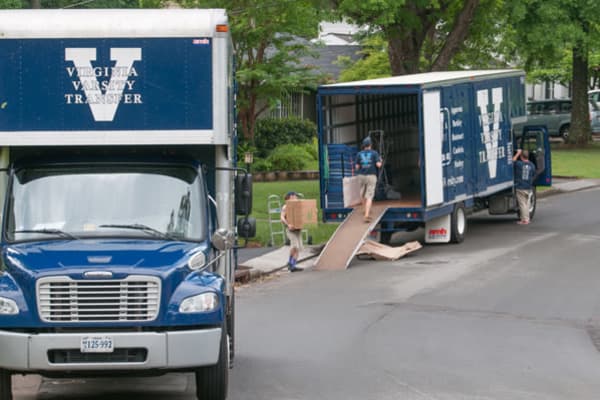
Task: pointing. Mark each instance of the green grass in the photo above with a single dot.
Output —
(260, 194)
(581, 163)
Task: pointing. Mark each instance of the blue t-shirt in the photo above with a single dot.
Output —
(367, 159)
(524, 171)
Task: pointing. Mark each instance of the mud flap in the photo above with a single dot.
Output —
(438, 230)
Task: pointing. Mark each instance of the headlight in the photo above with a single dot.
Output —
(201, 303)
(8, 306)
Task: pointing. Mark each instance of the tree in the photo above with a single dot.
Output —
(546, 27)
(269, 39)
(424, 35)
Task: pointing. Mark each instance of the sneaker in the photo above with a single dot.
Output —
(296, 269)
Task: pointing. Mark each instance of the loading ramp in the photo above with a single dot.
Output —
(350, 235)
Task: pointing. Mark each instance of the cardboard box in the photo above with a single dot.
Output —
(301, 212)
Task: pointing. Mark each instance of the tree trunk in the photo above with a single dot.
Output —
(580, 132)
(404, 51)
(35, 3)
(456, 37)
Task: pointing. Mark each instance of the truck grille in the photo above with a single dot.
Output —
(71, 356)
(62, 299)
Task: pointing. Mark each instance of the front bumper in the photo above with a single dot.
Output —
(163, 350)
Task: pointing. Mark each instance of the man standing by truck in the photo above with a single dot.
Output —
(524, 171)
(367, 162)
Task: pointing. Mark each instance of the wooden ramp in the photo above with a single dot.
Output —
(348, 238)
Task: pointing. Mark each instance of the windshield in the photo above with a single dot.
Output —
(107, 201)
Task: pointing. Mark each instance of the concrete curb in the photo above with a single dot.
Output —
(246, 274)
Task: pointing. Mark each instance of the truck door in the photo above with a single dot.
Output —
(536, 140)
(457, 169)
(432, 151)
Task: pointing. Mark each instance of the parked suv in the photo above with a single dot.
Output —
(556, 116)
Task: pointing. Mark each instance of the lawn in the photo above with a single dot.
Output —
(580, 163)
(260, 195)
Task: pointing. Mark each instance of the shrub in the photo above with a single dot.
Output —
(312, 148)
(272, 132)
(289, 157)
(262, 165)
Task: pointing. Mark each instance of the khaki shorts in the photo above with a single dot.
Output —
(295, 238)
(367, 186)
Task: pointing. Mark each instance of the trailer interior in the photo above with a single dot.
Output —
(392, 121)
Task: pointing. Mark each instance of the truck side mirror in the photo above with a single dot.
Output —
(246, 227)
(223, 239)
(243, 194)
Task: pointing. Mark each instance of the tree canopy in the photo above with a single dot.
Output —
(544, 28)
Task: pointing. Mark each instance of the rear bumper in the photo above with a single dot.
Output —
(164, 350)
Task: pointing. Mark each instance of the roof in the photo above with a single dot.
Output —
(428, 78)
(111, 23)
(326, 62)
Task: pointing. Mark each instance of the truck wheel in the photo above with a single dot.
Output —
(458, 224)
(231, 330)
(212, 381)
(564, 132)
(385, 237)
(5, 385)
(532, 203)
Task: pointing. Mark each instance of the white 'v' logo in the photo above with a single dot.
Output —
(490, 138)
(103, 106)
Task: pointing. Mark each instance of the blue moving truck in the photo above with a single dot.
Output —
(447, 143)
(117, 141)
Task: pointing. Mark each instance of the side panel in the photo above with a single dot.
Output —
(117, 88)
(492, 144)
(432, 130)
(458, 131)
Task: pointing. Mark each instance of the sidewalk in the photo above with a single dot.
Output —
(255, 263)
(270, 261)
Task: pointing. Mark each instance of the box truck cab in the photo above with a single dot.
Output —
(119, 176)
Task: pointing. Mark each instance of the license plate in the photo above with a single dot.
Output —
(97, 344)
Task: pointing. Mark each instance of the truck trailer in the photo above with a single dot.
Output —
(119, 181)
(446, 140)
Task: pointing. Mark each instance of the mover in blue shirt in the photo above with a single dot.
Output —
(367, 162)
(524, 172)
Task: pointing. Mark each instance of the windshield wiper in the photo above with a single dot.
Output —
(49, 232)
(140, 227)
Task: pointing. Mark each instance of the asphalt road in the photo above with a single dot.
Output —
(511, 313)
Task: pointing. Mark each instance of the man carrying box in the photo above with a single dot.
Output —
(294, 234)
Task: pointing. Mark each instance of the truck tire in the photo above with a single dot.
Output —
(231, 329)
(564, 132)
(533, 203)
(212, 381)
(458, 224)
(385, 237)
(5, 385)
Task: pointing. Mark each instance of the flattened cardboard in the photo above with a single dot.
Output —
(383, 252)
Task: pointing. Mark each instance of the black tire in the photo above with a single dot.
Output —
(458, 224)
(5, 385)
(231, 328)
(533, 203)
(385, 237)
(212, 382)
(564, 132)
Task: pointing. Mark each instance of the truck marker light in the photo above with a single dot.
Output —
(197, 261)
(204, 302)
(222, 28)
(8, 306)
